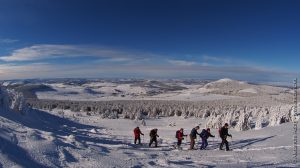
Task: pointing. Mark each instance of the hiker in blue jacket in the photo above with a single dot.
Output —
(205, 134)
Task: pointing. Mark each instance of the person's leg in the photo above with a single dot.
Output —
(221, 145)
(227, 145)
(191, 142)
(202, 143)
(135, 140)
(205, 143)
(151, 141)
(155, 140)
(139, 139)
(178, 143)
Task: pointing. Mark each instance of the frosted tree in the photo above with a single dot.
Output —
(259, 122)
(215, 121)
(244, 123)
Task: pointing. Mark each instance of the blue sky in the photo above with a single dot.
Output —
(254, 40)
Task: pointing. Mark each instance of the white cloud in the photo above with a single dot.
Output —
(119, 59)
(182, 62)
(216, 59)
(7, 40)
(46, 70)
(119, 63)
(43, 51)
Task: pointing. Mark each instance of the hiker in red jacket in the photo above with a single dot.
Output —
(137, 135)
(179, 136)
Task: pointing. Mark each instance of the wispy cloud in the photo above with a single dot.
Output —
(46, 51)
(217, 59)
(45, 70)
(125, 63)
(119, 59)
(7, 40)
(182, 62)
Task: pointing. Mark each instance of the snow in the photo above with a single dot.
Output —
(63, 138)
(224, 80)
(112, 146)
(105, 91)
(44, 139)
(249, 90)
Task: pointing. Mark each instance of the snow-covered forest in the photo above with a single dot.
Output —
(242, 117)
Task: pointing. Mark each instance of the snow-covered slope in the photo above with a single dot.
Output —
(35, 138)
(223, 89)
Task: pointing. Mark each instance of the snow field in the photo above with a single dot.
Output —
(89, 141)
(35, 138)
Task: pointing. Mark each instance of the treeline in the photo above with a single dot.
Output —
(240, 115)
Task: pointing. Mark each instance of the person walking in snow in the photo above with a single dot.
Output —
(193, 136)
(179, 136)
(137, 135)
(205, 134)
(153, 137)
(223, 135)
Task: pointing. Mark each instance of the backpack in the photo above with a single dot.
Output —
(153, 133)
(177, 132)
(202, 133)
(220, 129)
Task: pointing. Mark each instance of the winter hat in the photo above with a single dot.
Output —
(226, 124)
(208, 129)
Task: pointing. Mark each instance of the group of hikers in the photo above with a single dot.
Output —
(204, 135)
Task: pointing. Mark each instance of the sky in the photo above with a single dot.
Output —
(252, 40)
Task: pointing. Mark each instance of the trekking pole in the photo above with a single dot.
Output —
(230, 143)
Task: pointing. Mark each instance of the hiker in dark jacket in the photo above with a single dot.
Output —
(193, 136)
(223, 135)
(179, 136)
(137, 135)
(205, 134)
(153, 137)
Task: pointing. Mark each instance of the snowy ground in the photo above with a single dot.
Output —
(109, 91)
(43, 139)
(220, 90)
(48, 139)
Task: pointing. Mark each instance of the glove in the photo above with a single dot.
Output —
(230, 136)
